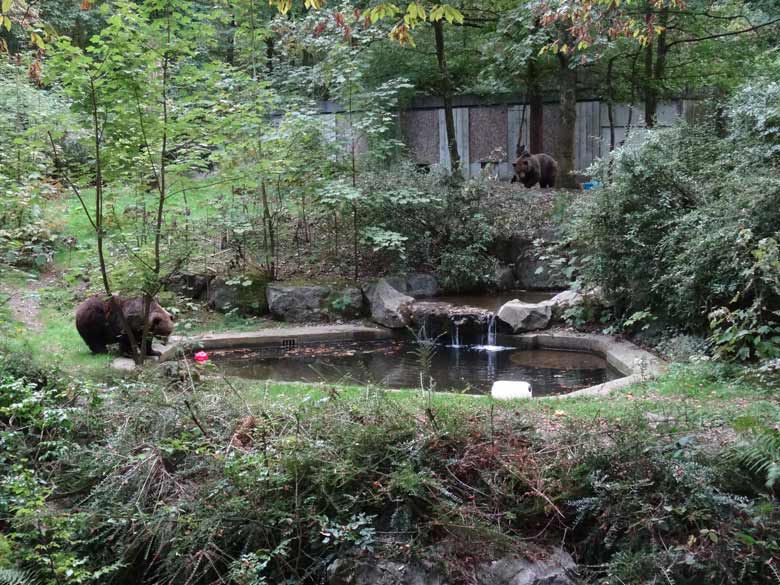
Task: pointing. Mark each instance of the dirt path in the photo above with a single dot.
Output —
(25, 302)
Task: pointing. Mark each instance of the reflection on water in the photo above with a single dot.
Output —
(395, 365)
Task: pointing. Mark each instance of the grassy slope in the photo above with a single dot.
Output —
(58, 341)
(686, 395)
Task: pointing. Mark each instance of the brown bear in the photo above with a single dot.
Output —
(531, 169)
(100, 325)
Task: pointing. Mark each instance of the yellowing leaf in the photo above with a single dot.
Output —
(415, 11)
(36, 40)
(282, 6)
(6, 6)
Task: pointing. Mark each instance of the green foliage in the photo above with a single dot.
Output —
(691, 236)
(759, 453)
(676, 492)
(16, 577)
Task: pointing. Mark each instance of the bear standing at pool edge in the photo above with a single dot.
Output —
(99, 324)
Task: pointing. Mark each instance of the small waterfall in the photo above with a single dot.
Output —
(491, 330)
(491, 336)
(455, 335)
(422, 334)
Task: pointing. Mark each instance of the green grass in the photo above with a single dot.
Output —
(57, 344)
(686, 397)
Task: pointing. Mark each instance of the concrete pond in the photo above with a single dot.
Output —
(555, 363)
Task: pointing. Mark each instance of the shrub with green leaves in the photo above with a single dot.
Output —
(685, 226)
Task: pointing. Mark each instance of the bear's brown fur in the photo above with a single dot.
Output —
(100, 325)
(531, 169)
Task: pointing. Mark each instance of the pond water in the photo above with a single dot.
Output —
(492, 301)
(396, 364)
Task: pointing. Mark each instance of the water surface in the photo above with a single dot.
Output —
(397, 364)
(493, 301)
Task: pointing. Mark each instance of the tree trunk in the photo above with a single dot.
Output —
(655, 68)
(449, 115)
(610, 104)
(134, 349)
(568, 125)
(536, 103)
(268, 233)
(230, 52)
(356, 257)
(269, 54)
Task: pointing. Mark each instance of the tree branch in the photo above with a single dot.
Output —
(725, 34)
(70, 184)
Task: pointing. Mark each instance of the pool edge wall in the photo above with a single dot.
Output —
(636, 364)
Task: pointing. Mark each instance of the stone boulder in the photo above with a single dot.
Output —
(347, 303)
(440, 320)
(379, 572)
(193, 286)
(535, 274)
(297, 303)
(246, 294)
(522, 316)
(222, 296)
(421, 286)
(387, 304)
(564, 301)
(557, 568)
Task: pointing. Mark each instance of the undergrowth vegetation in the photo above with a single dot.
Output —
(148, 481)
(685, 229)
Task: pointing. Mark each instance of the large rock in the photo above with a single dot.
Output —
(535, 274)
(421, 286)
(564, 301)
(247, 294)
(522, 316)
(222, 296)
(298, 303)
(558, 568)
(379, 572)
(387, 304)
(193, 286)
(347, 303)
(440, 320)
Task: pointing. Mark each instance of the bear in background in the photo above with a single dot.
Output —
(100, 325)
(531, 169)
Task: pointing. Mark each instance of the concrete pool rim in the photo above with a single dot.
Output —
(634, 363)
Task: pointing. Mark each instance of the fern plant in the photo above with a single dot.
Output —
(761, 455)
(17, 577)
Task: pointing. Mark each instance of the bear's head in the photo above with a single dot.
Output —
(161, 321)
(522, 165)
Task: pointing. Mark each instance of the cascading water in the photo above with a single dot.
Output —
(455, 335)
(491, 336)
(491, 330)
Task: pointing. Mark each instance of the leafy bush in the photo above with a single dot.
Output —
(27, 239)
(691, 235)
(660, 511)
(439, 222)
